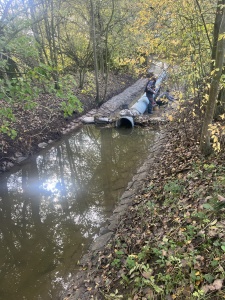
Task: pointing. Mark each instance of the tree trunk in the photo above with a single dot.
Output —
(107, 60)
(220, 106)
(93, 36)
(217, 23)
(204, 23)
(36, 33)
(205, 144)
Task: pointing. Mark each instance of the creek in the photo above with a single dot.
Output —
(53, 206)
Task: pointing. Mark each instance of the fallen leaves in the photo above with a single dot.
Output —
(221, 198)
(215, 286)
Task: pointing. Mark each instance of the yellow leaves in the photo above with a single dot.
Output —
(133, 256)
(193, 113)
(177, 220)
(216, 130)
(221, 36)
(215, 70)
(208, 85)
(175, 42)
(142, 60)
(198, 278)
(213, 222)
(215, 138)
(170, 118)
(222, 117)
(192, 90)
(183, 229)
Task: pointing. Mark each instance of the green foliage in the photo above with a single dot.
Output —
(24, 91)
(71, 102)
(89, 86)
(5, 128)
(199, 295)
(223, 246)
(208, 167)
(141, 273)
(173, 190)
(70, 105)
(173, 187)
(207, 206)
(131, 262)
(209, 277)
(116, 263)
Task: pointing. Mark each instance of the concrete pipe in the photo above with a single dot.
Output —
(126, 121)
(139, 107)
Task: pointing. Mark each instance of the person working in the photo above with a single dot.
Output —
(164, 97)
(150, 91)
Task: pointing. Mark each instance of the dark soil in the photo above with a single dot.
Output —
(46, 121)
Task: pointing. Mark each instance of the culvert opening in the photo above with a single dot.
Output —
(125, 122)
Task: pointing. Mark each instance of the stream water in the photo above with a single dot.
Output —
(53, 206)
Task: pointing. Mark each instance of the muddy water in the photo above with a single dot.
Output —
(53, 207)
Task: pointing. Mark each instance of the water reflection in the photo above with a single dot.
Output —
(53, 207)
